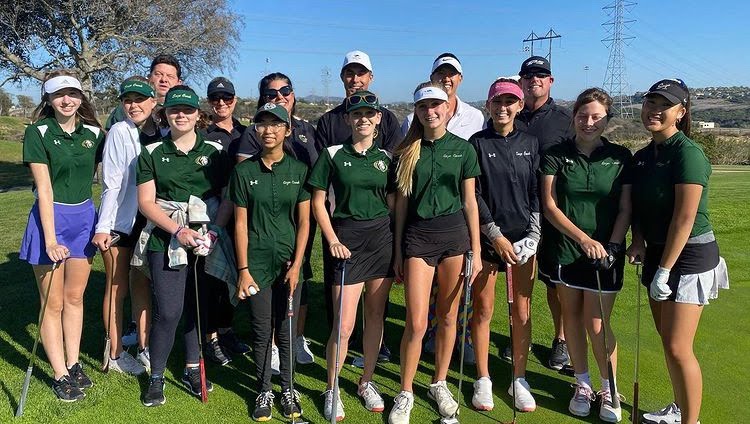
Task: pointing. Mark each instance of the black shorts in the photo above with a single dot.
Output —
(437, 238)
(581, 275)
(694, 259)
(130, 240)
(371, 245)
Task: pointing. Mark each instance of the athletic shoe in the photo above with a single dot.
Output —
(154, 395)
(358, 362)
(144, 357)
(77, 375)
(429, 345)
(67, 390)
(214, 352)
(290, 404)
(505, 354)
(580, 404)
(670, 414)
(126, 364)
(447, 406)
(328, 406)
(559, 356)
(607, 411)
(304, 354)
(230, 342)
(191, 379)
(402, 406)
(482, 399)
(131, 337)
(263, 406)
(384, 355)
(371, 395)
(524, 401)
(275, 362)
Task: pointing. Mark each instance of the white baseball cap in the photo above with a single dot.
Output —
(430, 92)
(447, 60)
(57, 83)
(356, 56)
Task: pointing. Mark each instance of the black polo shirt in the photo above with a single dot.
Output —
(550, 124)
(333, 129)
(300, 145)
(228, 139)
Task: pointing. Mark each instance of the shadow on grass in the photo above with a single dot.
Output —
(14, 175)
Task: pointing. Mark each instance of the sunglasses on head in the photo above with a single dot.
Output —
(272, 93)
(367, 99)
(535, 75)
(226, 98)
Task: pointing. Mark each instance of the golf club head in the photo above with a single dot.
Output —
(449, 420)
(115, 239)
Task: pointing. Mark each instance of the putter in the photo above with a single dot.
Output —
(610, 370)
(30, 369)
(201, 364)
(635, 415)
(469, 257)
(509, 287)
(107, 341)
(290, 315)
(334, 405)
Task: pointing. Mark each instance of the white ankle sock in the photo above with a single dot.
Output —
(583, 378)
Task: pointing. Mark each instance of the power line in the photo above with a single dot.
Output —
(531, 38)
(615, 78)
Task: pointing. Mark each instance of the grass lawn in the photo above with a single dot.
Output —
(722, 344)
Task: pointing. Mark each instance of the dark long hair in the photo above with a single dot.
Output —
(263, 84)
(44, 109)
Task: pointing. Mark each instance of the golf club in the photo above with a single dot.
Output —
(469, 257)
(111, 278)
(30, 369)
(509, 289)
(610, 370)
(201, 364)
(335, 402)
(290, 315)
(635, 415)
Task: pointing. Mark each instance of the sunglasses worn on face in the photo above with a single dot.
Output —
(535, 75)
(272, 93)
(367, 99)
(227, 99)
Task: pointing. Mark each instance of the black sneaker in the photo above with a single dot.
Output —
(67, 390)
(263, 405)
(154, 395)
(290, 404)
(559, 356)
(215, 352)
(77, 375)
(191, 378)
(505, 354)
(385, 354)
(230, 342)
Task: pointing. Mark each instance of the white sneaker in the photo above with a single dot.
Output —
(580, 404)
(144, 357)
(328, 406)
(304, 355)
(275, 363)
(371, 395)
(402, 406)
(482, 399)
(670, 414)
(126, 364)
(447, 406)
(524, 401)
(607, 411)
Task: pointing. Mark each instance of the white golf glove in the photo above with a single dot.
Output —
(659, 289)
(206, 246)
(525, 249)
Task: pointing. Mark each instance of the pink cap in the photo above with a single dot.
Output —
(504, 87)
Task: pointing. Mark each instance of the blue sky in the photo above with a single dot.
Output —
(687, 39)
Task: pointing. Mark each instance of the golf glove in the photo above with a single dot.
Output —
(525, 249)
(206, 246)
(659, 289)
(613, 250)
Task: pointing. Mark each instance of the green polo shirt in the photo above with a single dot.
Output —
(360, 181)
(202, 172)
(271, 197)
(657, 169)
(436, 184)
(588, 190)
(71, 158)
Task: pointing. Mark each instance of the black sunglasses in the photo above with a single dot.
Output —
(535, 75)
(226, 98)
(367, 99)
(272, 93)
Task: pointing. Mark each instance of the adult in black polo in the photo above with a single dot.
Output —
(551, 124)
(224, 127)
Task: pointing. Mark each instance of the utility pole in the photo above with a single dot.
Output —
(550, 35)
(615, 78)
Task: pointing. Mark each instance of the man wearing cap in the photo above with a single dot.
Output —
(551, 124)
(463, 119)
(224, 127)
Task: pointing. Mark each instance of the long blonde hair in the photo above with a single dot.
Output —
(409, 149)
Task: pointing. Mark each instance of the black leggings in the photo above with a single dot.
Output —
(173, 297)
(218, 307)
(268, 314)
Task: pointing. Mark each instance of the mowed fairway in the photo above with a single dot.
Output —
(723, 343)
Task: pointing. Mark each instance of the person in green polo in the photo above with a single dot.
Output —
(360, 234)
(586, 197)
(272, 221)
(178, 178)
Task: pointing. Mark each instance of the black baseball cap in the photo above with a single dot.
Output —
(672, 89)
(535, 65)
(220, 85)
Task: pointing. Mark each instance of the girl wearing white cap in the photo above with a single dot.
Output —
(436, 224)
(62, 147)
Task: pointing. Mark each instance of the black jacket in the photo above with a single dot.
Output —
(551, 124)
(332, 129)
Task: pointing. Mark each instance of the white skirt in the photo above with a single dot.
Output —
(698, 289)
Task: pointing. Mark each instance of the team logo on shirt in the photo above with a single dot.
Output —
(165, 159)
(57, 142)
(524, 153)
(640, 163)
(295, 182)
(455, 155)
(87, 144)
(302, 138)
(614, 162)
(253, 182)
(491, 155)
(201, 160)
(569, 161)
(380, 165)
(347, 164)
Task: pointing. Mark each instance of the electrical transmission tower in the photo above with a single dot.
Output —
(615, 78)
(531, 38)
(325, 78)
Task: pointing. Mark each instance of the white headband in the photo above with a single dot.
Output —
(430, 93)
(447, 60)
(63, 81)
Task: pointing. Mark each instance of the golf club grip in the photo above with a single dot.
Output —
(290, 306)
(509, 280)
(105, 355)
(204, 388)
(635, 414)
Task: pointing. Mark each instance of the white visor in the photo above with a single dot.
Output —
(447, 60)
(425, 93)
(58, 83)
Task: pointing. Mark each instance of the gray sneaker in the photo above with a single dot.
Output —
(126, 364)
(670, 414)
(144, 357)
(559, 356)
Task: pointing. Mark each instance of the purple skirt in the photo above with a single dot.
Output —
(74, 229)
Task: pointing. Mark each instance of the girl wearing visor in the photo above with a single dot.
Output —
(360, 234)
(436, 224)
(674, 238)
(62, 147)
